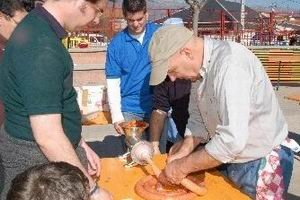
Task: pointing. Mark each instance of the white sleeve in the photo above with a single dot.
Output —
(114, 99)
(234, 98)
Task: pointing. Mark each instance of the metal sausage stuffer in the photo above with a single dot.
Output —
(137, 148)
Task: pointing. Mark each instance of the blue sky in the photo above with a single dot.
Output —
(266, 4)
(280, 4)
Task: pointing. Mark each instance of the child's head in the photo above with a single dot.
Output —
(51, 181)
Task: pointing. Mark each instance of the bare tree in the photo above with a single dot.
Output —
(196, 5)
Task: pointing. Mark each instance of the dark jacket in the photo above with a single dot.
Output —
(174, 95)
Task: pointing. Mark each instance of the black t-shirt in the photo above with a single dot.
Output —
(174, 95)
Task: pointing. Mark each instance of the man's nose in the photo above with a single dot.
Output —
(96, 20)
(135, 24)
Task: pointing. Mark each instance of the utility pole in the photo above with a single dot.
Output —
(196, 6)
(113, 21)
(243, 15)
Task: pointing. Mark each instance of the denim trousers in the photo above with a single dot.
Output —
(245, 175)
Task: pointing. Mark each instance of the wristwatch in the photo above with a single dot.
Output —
(94, 190)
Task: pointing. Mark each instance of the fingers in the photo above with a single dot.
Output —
(92, 168)
(163, 179)
(92, 172)
(92, 164)
(99, 168)
(167, 180)
(118, 128)
(156, 151)
(155, 146)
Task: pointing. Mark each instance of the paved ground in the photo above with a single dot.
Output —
(104, 140)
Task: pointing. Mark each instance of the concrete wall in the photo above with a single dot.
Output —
(88, 66)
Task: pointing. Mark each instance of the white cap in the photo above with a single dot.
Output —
(173, 21)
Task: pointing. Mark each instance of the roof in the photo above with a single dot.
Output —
(210, 13)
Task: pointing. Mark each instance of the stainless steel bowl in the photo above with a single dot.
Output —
(133, 131)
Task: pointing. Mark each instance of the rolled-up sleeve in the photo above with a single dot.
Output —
(231, 135)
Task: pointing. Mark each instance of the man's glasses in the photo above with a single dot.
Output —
(9, 18)
(99, 11)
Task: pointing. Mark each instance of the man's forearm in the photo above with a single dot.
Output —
(54, 144)
(197, 161)
(157, 122)
(190, 143)
(60, 149)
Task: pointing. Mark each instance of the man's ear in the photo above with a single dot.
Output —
(4, 18)
(82, 6)
(1, 19)
(187, 52)
(147, 16)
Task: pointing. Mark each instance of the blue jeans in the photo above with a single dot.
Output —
(128, 116)
(173, 135)
(245, 175)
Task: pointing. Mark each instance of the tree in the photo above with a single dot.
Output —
(196, 5)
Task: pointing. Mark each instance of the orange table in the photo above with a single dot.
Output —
(120, 181)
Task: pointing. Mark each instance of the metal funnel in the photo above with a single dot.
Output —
(133, 131)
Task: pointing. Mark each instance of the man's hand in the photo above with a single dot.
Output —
(181, 149)
(118, 128)
(173, 173)
(94, 165)
(155, 146)
(195, 161)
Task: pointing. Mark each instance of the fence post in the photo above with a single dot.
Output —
(222, 24)
(279, 72)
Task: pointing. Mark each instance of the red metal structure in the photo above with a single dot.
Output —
(221, 22)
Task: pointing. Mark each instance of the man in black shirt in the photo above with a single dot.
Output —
(169, 95)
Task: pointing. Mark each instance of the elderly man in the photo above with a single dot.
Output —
(170, 108)
(239, 113)
(42, 117)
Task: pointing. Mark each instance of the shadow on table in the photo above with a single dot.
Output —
(111, 146)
